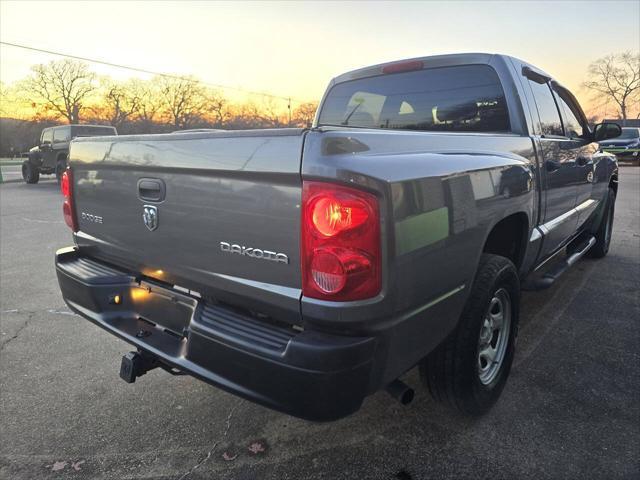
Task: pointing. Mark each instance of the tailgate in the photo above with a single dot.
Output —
(218, 213)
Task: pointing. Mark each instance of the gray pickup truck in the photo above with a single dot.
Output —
(305, 269)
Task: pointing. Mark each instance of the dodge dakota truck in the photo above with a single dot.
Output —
(305, 269)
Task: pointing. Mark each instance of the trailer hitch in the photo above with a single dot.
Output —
(136, 364)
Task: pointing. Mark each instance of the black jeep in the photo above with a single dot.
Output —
(51, 155)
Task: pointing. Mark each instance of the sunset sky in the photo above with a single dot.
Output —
(293, 49)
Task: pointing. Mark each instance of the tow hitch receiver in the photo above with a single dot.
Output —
(136, 364)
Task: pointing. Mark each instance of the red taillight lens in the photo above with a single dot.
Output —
(65, 184)
(68, 210)
(340, 242)
(332, 214)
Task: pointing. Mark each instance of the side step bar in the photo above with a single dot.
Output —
(550, 276)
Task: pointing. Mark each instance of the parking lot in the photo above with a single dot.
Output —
(570, 410)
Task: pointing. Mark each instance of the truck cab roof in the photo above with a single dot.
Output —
(430, 61)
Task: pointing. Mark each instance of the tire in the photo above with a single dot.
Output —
(603, 234)
(61, 166)
(458, 372)
(30, 174)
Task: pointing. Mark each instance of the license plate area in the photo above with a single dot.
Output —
(164, 307)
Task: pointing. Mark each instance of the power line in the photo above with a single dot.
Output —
(151, 72)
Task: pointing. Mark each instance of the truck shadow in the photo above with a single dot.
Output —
(390, 441)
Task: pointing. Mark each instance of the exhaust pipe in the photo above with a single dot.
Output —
(400, 391)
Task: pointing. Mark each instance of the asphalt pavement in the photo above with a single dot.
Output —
(571, 407)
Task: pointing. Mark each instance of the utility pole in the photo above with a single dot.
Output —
(289, 108)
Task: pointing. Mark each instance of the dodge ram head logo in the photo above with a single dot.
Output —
(150, 217)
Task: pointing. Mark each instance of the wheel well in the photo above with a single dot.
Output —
(507, 238)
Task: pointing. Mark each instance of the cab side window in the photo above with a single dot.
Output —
(550, 123)
(47, 137)
(573, 127)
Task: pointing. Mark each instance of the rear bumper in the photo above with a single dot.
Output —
(307, 374)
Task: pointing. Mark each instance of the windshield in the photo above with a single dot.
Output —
(630, 133)
(466, 98)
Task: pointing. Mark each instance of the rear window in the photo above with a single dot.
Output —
(93, 131)
(466, 98)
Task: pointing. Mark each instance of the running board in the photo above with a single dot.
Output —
(550, 276)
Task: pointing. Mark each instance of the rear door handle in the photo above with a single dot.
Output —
(151, 189)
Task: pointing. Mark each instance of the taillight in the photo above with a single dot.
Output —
(340, 242)
(68, 210)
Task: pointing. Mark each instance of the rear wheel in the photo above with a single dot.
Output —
(30, 173)
(470, 368)
(603, 235)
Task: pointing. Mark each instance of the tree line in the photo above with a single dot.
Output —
(67, 91)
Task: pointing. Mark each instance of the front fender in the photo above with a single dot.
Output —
(35, 157)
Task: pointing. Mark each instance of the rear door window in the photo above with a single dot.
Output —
(465, 98)
(550, 123)
(573, 127)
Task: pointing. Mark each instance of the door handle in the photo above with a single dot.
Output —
(552, 165)
(151, 189)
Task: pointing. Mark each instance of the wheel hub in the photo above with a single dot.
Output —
(494, 336)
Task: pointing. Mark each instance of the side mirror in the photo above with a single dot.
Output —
(605, 131)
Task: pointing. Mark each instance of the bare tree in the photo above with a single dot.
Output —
(216, 107)
(616, 77)
(149, 100)
(304, 114)
(63, 86)
(269, 114)
(119, 103)
(243, 116)
(183, 101)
